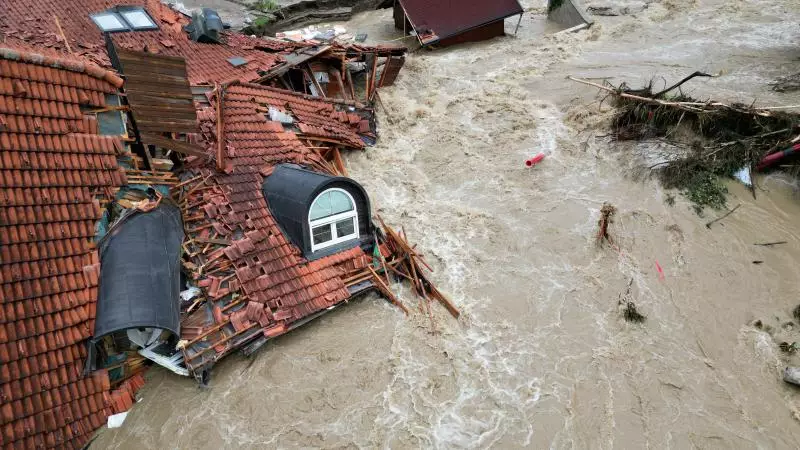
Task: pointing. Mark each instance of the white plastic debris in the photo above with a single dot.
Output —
(792, 375)
(116, 420)
(277, 115)
(322, 77)
(744, 176)
(315, 32)
(190, 293)
(181, 8)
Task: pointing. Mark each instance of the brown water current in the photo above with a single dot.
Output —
(541, 357)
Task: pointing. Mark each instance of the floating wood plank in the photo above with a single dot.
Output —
(385, 290)
(158, 92)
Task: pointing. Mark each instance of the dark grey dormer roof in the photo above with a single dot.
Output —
(290, 190)
(140, 272)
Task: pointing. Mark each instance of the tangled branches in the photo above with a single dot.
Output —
(711, 139)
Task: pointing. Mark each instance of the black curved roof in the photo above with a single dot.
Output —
(289, 192)
(140, 272)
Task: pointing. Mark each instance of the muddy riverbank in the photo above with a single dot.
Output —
(541, 357)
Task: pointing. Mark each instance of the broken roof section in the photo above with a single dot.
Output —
(160, 98)
(157, 90)
(55, 173)
(569, 13)
(317, 119)
(257, 283)
(66, 27)
(436, 21)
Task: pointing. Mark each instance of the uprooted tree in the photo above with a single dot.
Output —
(722, 139)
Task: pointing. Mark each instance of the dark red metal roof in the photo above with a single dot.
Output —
(446, 18)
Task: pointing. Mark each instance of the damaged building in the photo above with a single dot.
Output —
(441, 23)
(212, 53)
(172, 192)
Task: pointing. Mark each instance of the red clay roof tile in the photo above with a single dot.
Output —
(207, 63)
(269, 269)
(47, 216)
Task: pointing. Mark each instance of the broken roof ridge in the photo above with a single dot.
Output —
(372, 48)
(75, 64)
(333, 101)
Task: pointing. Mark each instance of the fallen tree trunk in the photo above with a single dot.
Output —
(718, 139)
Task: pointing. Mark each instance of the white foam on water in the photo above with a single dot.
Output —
(540, 357)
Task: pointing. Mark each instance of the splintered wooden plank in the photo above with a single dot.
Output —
(142, 68)
(174, 145)
(149, 59)
(156, 83)
(161, 125)
(158, 93)
(392, 69)
(168, 111)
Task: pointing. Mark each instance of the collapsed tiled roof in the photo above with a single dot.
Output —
(441, 18)
(316, 118)
(55, 171)
(272, 283)
(32, 24)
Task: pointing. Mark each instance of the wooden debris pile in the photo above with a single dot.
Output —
(206, 263)
(397, 260)
(606, 213)
(151, 177)
(709, 140)
(347, 72)
(406, 263)
(331, 158)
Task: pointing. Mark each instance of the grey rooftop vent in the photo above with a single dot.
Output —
(206, 26)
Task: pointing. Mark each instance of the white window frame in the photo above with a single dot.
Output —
(96, 17)
(331, 222)
(138, 10)
(126, 25)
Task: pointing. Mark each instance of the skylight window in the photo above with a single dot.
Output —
(138, 19)
(109, 21)
(124, 18)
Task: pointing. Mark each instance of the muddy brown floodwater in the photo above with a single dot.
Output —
(541, 357)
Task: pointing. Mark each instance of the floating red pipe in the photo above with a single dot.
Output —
(775, 157)
(535, 160)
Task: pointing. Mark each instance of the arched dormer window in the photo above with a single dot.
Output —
(320, 214)
(332, 219)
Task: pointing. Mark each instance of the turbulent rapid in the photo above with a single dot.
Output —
(541, 356)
